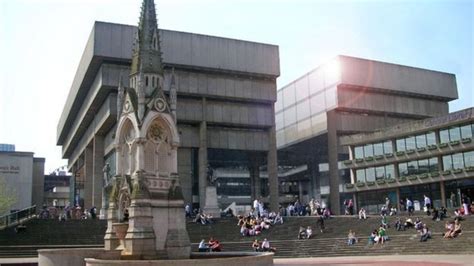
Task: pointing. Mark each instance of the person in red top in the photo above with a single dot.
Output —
(214, 245)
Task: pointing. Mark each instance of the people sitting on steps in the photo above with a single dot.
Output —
(266, 247)
(214, 245)
(362, 214)
(351, 238)
(425, 233)
(203, 247)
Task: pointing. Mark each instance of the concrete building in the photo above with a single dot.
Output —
(345, 96)
(226, 90)
(433, 157)
(24, 176)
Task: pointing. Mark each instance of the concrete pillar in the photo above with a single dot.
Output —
(272, 169)
(315, 184)
(88, 176)
(398, 199)
(254, 171)
(98, 165)
(202, 163)
(300, 191)
(332, 160)
(443, 193)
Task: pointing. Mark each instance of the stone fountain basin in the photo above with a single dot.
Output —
(101, 257)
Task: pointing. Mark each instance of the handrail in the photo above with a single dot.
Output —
(16, 217)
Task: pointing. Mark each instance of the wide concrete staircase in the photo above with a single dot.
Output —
(89, 233)
(332, 242)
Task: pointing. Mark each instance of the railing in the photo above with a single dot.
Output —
(17, 217)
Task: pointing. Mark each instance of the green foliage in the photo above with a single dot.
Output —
(7, 196)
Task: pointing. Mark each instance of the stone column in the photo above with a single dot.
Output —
(398, 199)
(88, 176)
(98, 175)
(254, 171)
(334, 178)
(443, 193)
(300, 191)
(202, 163)
(272, 168)
(313, 172)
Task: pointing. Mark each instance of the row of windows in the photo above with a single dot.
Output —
(452, 161)
(458, 160)
(373, 149)
(415, 142)
(418, 167)
(375, 173)
(456, 133)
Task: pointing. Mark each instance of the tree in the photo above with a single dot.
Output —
(7, 196)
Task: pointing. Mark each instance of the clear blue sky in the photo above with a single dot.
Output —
(41, 43)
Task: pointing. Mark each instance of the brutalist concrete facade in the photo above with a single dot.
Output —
(345, 96)
(226, 94)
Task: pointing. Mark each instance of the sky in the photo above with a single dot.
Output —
(41, 43)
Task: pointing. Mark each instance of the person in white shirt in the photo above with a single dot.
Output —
(362, 214)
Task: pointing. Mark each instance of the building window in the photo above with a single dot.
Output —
(447, 162)
(378, 149)
(421, 141)
(412, 167)
(368, 150)
(431, 138)
(390, 171)
(423, 166)
(146, 81)
(387, 147)
(458, 162)
(359, 152)
(380, 172)
(466, 131)
(403, 169)
(433, 164)
(360, 175)
(469, 159)
(401, 145)
(454, 134)
(444, 136)
(370, 174)
(410, 143)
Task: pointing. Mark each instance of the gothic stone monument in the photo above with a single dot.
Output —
(146, 185)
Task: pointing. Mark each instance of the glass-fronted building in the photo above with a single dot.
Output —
(345, 96)
(433, 157)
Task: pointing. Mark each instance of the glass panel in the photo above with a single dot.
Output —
(302, 90)
(316, 81)
(458, 162)
(469, 159)
(360, 175)
(403, 169)
(302, 110)
(279, 103)
(370, 174)
(410, 143)
(378, 149)
(359, 152)
(288, 95)
(401, 145)
(304, 128)
(412, 168)
(280, 138)
(331, 97)
(454, 134)
(390, 171)
(387, 147)
(368, 150)
(421, 141)
(332, 72)
(466, 131)
(447, 162)
(379, 172)
(279, 121)
(423, 166)
(444, 136)
(318, 103)
(433, 164)
(290, 116)
(431, 138)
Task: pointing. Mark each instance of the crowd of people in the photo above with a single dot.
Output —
(67, 213)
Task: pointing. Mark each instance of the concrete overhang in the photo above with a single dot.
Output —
(112, 43)
(411, 128)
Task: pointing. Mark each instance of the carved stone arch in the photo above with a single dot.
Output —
(124, 198)
(167, 123)
(127, 132)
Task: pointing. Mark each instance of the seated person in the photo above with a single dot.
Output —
(436, 215)
(20, 228)
(425, 233)
(443, 213)
(409, 223)
(384, 221)
(449, 226)
(383, 210)
(418, 224)
(393, 211)
(399, 225)
(309, 232)
(373, 237)
(278, 219)
(214, 245)
(351, 238)
(266, 246)
(459, 212)
(362, 214)
(457, 229)
(302, 233)
(256, 245)
(382, 234)
(203, 247)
